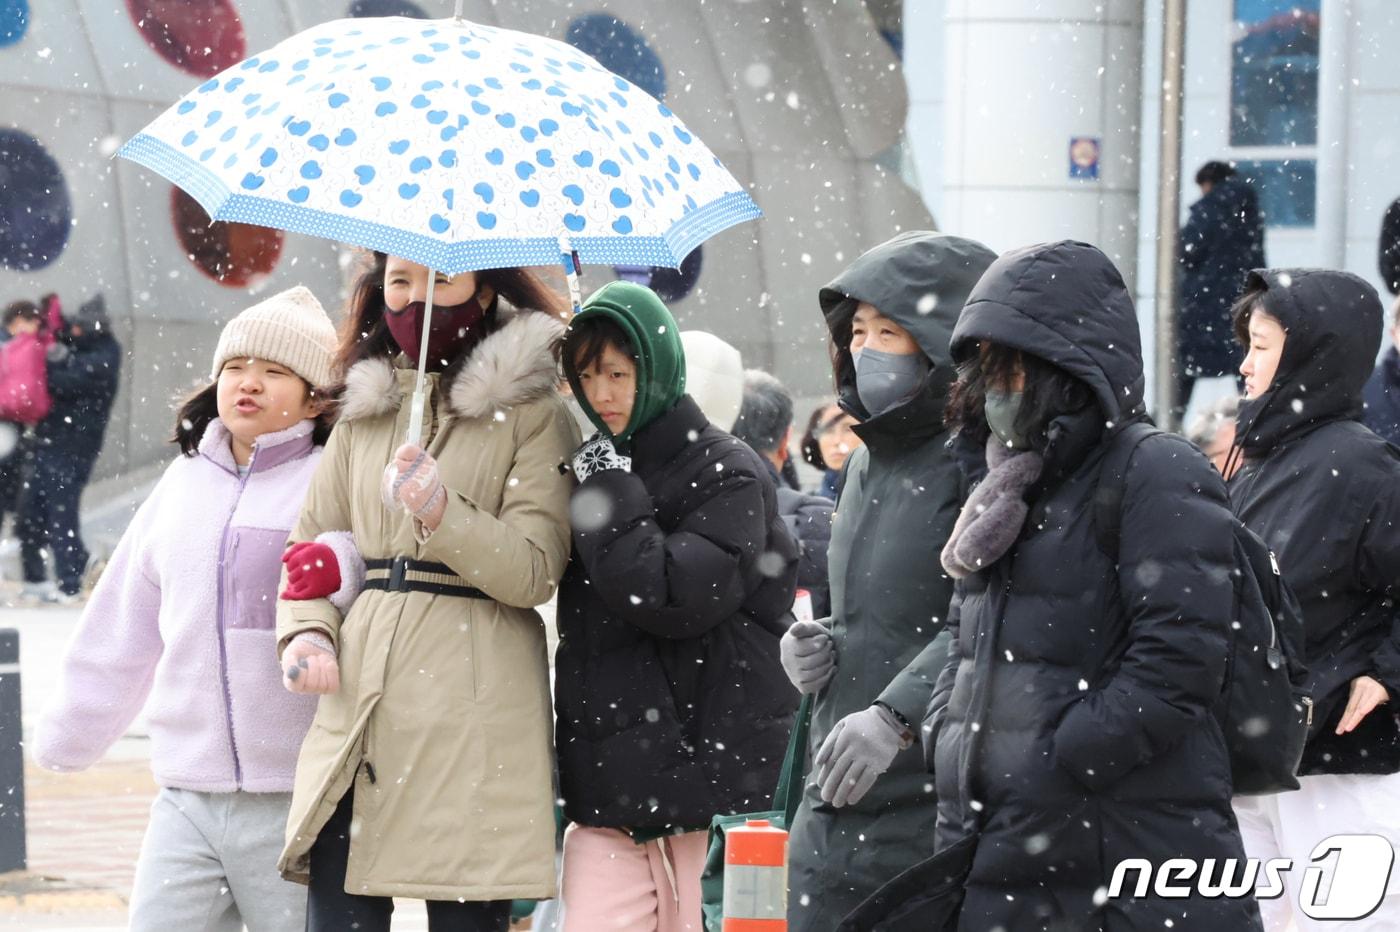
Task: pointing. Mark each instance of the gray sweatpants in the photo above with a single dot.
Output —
(209, 864)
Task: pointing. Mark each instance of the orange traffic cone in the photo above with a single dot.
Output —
(755, 878)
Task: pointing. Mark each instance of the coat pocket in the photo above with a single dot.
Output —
(254, 569)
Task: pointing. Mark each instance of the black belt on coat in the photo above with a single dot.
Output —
(404, 575)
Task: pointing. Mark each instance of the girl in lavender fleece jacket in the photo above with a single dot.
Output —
(183, 622)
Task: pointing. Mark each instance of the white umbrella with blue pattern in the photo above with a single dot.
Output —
(454, 144)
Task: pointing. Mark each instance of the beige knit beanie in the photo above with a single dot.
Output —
(290, 329)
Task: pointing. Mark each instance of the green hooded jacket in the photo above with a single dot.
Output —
(656, 339)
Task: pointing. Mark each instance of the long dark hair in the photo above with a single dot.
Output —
(201, 407)
(1049, 392)
(365, 335)
(811, 440)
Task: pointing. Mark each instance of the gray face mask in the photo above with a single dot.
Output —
(1001, 409)
(883, 380)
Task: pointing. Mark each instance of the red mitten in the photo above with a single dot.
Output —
(313, 572)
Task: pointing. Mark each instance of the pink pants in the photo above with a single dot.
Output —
(613, 884)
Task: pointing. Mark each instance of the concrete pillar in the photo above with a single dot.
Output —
(1333, 101)
(1023, 79)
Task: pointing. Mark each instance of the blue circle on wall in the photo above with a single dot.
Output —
(387, 8)
(14, 21)
(35, 210)
(620, 49)
(669, 284)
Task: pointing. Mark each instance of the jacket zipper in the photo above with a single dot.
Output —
(223, 647)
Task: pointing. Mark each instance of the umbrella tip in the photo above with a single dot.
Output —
(457, 14)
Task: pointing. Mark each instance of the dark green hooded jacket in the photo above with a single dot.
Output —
(671, 703)
(889, 596)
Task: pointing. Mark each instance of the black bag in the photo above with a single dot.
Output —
(1265, 709)
(925, 898)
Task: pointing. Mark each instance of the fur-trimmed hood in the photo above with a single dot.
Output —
(512, 365)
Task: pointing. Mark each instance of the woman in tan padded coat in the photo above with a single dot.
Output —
(427, 771)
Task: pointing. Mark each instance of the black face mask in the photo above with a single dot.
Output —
(454, 331)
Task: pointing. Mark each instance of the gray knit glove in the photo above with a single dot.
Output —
(860, 748)
(808, 656)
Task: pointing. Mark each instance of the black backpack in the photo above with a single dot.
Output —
(1265, 709)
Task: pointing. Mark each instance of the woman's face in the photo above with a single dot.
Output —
(610, 385)
(836, 437)
(872, 330)
(1266, 339)
(406, 282)
(257, 397)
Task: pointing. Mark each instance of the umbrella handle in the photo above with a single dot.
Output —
(415, 411)
(568, 258)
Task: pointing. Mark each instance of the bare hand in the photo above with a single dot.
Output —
(307, 668)
(1366, 694)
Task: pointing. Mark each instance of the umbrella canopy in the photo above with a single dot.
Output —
(454, 144)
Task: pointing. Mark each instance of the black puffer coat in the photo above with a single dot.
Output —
(1222, 240)
(1324, 492)
(672, 705)
(808, 520)
(889, 597)
(1096, 738)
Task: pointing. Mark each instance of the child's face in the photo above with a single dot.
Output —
(23, 325)
(610, 386)
(257, 397)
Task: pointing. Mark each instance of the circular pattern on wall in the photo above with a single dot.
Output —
(387, 8)
(233, 254)
(36, 212)
(14, 21)
(619, 48)
(200, 38)
(669, 284)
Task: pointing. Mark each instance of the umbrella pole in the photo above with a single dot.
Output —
(415, 417)
(568, 258)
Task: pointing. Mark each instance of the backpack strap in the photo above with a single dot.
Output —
(1108, 496)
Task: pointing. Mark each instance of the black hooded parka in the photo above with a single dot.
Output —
(889, 596)
(1096, 738)
(1324, 493)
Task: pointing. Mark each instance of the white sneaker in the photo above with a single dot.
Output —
(34, 593)
(57, 597)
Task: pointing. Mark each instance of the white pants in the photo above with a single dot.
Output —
(1290, 825)
(209, 864)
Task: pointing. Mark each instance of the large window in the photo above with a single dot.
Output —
(1273, 104)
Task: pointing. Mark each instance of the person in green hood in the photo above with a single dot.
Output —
(670, 697)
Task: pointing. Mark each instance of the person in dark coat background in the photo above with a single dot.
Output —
(869, 809)
(1382, 392)
(1089, 684)
(1324, 492)
(83, 376)
(1222, 240)
(670, 698)
(1390, 247)
(765, 423)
